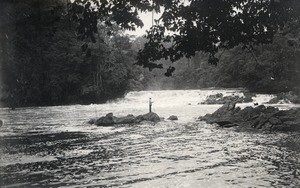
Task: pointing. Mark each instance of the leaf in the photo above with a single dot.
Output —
(88, 53)
(170, 71)
(84, 47)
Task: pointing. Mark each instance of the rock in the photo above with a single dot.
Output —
(292, 125)
(223, 123)
(288, 126)
(225, 109)
(213, 99)
(260, 121)
(224, 113)
(218, 95)
(248, 97)
(220, 99)
(173, 117)
(92, 121)
(110, 119)
(286, 118)
(261, 117)
(285, 97)
(151, 116)
(207, 118)
(274, 121)
(267, 126)
(106, 120)
(231, 125)
(231, 105)
(129, 119)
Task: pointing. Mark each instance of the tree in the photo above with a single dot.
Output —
(43, 62)
(28, 27)
(193, 25)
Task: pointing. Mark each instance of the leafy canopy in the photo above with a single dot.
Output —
(191, 25)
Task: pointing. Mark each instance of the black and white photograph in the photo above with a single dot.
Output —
(150, 93)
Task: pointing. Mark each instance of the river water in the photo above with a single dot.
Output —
(55, 147)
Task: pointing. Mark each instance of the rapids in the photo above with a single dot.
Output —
(54, 147)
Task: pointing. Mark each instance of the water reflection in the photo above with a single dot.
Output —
(52, 146)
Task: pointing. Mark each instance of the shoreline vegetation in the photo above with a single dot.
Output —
(52, 53)
(39, 68)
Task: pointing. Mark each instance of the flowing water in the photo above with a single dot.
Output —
(54, 147)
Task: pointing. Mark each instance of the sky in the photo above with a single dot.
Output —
(146, 17)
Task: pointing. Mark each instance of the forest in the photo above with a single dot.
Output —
(51, 56)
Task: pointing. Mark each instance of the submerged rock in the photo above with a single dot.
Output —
(261, 117)
(110, 119)
(173, 118)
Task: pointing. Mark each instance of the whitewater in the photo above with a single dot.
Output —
(55, 147)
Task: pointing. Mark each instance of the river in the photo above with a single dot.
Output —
(55, 147)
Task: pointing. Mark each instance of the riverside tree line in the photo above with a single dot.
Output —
(61, 52)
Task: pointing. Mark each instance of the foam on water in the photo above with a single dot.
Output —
(54, 146)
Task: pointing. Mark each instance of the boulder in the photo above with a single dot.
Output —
(92, 121)
(151, 116)
(110, 119)
(129, 119)
(220, 99)
(173, 118)
(260, 117)
(107, 120)
(225, 110)
(285, 97)
(223, 114)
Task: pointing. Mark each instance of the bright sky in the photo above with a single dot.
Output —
(146, 17)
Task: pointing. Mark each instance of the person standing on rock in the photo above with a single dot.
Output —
(150, 105)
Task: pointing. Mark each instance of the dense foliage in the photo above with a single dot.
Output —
(43, 63)
(192, 25)
(62, 52)
(271, 68)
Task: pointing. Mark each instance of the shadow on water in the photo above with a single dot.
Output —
(52, 147)
(57, 158)
(129, 157)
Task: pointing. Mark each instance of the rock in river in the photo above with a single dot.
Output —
(220, 99)
(261, 117)
(173, 118)
(110, 119)
(151, 116)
